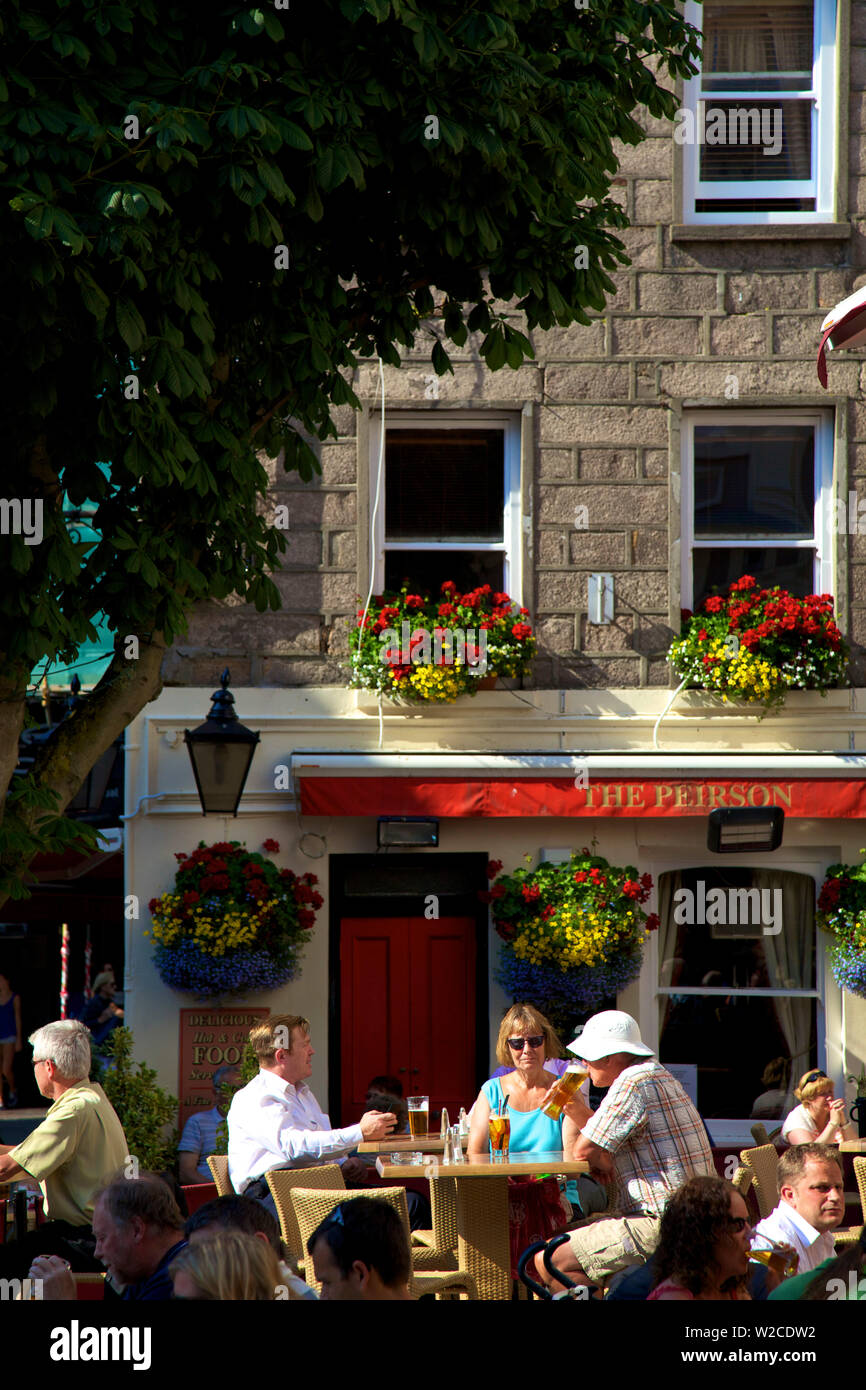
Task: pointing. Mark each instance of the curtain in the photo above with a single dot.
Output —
(789, 958)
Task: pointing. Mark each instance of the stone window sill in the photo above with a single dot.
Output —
(793, 231)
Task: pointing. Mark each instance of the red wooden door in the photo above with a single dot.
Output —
(408, 1008)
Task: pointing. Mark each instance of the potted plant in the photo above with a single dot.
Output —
(572, 933)
(144, 1109)
(412, 648)
(753, 645)
(234, 923)
(842, 913)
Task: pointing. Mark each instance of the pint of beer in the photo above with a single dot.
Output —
(781, 1259)
(419, 1115)
(565, 1089)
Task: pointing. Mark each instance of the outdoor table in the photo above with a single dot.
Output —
(482, 1207)
(404, 1143)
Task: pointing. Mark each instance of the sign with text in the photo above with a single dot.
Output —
(832, 797)
(209, 1038)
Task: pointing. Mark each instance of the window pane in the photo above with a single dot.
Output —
(717, 569)
(754, 480)
(755, 204)
(424, 571)
(772, 42)
(746, 1050)
(760, 1042)
(444, 485)
(756, 142)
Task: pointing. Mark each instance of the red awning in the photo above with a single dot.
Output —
(482, 795)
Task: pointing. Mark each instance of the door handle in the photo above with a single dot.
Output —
(416, 1069)
(401, 1069)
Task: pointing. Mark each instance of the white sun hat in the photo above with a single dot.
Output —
(844, 327)
(609, 1032)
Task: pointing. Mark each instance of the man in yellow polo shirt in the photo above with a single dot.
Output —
(78, 1147)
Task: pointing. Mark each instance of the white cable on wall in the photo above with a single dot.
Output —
(376, 497)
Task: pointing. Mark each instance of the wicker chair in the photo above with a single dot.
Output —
(312, 1206)
(849, 1235)
(760, 1135)
(219, 1167)
(329, 1176)
(762, 1163)
(437, 1248)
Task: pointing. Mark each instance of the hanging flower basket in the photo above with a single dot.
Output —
(412, 648)
(842, 913)
(234, 924)
(753, 645)
(572, 933)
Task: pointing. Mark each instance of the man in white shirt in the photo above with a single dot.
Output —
(811, 1205)
(276, 1122)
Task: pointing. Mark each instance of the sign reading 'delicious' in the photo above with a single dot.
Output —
(209, 1038)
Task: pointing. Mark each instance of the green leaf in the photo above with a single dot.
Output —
(130, 324)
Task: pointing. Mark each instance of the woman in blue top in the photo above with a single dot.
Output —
(526, 1041)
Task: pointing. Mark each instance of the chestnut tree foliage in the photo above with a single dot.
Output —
(210, 212)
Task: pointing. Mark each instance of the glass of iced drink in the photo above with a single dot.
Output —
(500, 1136)
(419, 1116)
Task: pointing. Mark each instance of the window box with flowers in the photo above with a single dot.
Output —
(572, 933)
(234, 923)
(754, 645)
(409, 647)
(842, 913)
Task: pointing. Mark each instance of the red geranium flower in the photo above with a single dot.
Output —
(521, 630)
(498, 890)
(494, 867)
(702, 635)
(531, 892)
(652, 922)
(271, 846)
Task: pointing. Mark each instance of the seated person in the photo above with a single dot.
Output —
(774, 1102)
(234, 1213)
(645, 1140)
(275, 1120)
(703, 1247)
(636, 1284)
(199, 1136)
(139, 1232)
(360, 1254)
(811, 1204)
(230, 1267)
(79, 1145)
(101, 1014)
(818, 1119)
(389, 1085)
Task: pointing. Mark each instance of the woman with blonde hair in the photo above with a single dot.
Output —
(818, 1119)
(231, 1266)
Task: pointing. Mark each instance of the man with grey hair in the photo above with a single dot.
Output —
(78, 1146)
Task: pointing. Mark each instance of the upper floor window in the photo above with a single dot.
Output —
(758, 123)
(448, 503)
(756, 500)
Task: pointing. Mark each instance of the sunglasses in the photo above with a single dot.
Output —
(738, 1223)
(815, 1076)
(516, 1044)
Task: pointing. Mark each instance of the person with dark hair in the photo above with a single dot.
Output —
(236, 1213)
(391, 1086)
(703, 1248)
(840, 1277)
(139, 1231)
(361, 1253)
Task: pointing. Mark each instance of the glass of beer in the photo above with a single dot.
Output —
(565, 1089)
(780, 1258)
(500, 1135)
(419, 1116)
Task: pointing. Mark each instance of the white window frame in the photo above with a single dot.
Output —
(824, 98)
(511, 544)
(736, 1130)
(824, 510)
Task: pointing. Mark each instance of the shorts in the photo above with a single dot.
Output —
(606, 1243)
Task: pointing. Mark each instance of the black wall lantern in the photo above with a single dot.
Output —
(221, 751)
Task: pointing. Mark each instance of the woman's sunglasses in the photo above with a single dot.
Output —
(516, 1044)
(738, 1223)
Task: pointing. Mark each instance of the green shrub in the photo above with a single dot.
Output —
(144, 1109)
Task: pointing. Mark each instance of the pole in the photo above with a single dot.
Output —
(87, 951)
(64, 968)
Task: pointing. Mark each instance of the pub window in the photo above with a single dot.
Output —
(448, 503)
(756, 500)
(762, 113)
(738, 995)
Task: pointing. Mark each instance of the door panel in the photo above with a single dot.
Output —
(375, 1036)
(442, 991)
(408, 1008)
